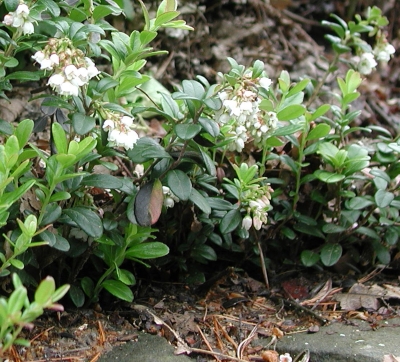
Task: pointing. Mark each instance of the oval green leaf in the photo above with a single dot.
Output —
(87, 220)
(330, 254)
(149, 250)
(118, 289)
(230, 221)
(180, 184)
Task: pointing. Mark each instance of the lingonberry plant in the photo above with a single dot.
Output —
(230, 176)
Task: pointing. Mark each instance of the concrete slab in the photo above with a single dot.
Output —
(147, 348)
(338, 342)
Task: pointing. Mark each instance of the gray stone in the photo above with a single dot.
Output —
(147, 348)
(338, 342)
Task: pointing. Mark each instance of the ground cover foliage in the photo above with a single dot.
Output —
(261, 164)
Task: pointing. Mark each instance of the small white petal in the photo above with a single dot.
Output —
(108, 125)
(68, 89)
(8, 19)
(46, 64)
(28, 28)
(56, 80)
(38, 56)
(127, 121)
(23, 10)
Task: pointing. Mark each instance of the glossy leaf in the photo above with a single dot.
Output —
(147, 149)
(180, 184)
(187, 131)
(148, 203)
(383, 198)
(118, 289)
(86, 219)
(330, 254)
(309, 258)
(150, 250)
(82, 123)
(230, 221)
(200, 201)
(103, 181)
(321, 130)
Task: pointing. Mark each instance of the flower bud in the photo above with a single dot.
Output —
(247, 222)
(8, 19)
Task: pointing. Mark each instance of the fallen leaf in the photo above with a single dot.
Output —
(360, 296)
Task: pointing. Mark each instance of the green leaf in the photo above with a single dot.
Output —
(86, 219)
(11, 5)
(359, 203)
(103, 181)
(287, 130)
(209, 163)
(5, 127)
(333, 229)
(219, 204)
(147, 36)
(77, 296)
(61, 243)
(230, 221)
(187, 131)
(59, 138)
(51, 213)
(193, 88)
(309, 258)
(165, 18)
(391, 236)
(16, 301)
(101, 11)
(200, 201)
(125, 276)
(23, 76)
(148, 203)
(257, 70)
(330, 254)
(150, 250)
(45, 290)
(382, 252)
(201, 252)
(321, 130)
(51, 7)
(383, 198)
(328, 177)
(60, 196)
(320, 111)
(24, 131)
(118, 289)
(87, 286)
(17, 264)
(210, 126)
(179, 183)
(291, 112)
(82, 123)
(147, 149)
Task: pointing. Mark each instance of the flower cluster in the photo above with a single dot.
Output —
(382, 52)
(241, 117)
(20, 19)
(169, 197)
(257, 201)
(120, 131)
(71, 69)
